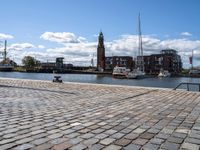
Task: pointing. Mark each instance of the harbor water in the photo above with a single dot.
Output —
(171, 82)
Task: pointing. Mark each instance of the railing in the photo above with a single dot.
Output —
(187, 84)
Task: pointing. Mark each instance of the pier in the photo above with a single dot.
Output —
(46, 115)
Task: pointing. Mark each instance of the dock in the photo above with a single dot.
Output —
(46, 115)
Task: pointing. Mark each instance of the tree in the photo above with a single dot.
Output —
(29, 61)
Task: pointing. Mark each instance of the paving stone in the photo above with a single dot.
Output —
(11, 135)
(25, 140)
(7, 146)
(118, 128)
(72, 135)
(192, 140)
(75, 140)
(78, 147)
(122, 142)
(5, 141)
(101, 136)
(90, 142)
(186, 131)
(58, 141)
(62, 146)
(110, 132)
(87, 135)
(37, 132)
(190, 146)
(53, 131)
(126, 130)
(44, 146)
(139, 130)
(153, 131)
(97, 131)
(84, 130)
(93, 127)
(20, 132)
(112, 147)
(40, 141)
(175, 140)
(38, 136)
(24, 147)
(132, 147)
(140, 141)
(55, 136)
(68, 131)
(170, 146)
(117, 135)
(107, 141)
(150, 147)
(96, 147)
(157, 141)
(147, 135)
(193, 135)
(131, 136)
(179, 135)
(11, 131)
(163, 136)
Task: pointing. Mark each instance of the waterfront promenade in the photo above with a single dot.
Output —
(45, 115)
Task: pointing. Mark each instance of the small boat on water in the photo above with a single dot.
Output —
(164, 73)
(120, 72)
(135, 74)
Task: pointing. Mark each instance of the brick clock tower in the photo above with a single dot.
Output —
(101, 53)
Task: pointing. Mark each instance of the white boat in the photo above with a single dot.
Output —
(164, 73)
(120, 72)
(135, 74)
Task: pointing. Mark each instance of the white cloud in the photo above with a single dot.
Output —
(21, 46)
(62, 37)
(41, 46)
(5, 36)
(77, 50)
(127, 45)
(186, 34)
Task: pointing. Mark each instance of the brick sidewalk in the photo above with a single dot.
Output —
(45, 115)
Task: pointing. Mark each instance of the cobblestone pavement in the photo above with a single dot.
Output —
(44, 115)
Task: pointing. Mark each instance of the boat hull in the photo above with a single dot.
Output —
(119, 76)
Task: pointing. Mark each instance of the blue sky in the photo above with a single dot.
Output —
(50, 28)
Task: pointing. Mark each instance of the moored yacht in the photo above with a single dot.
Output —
(120, 72)
(135, 74)
(164, 73)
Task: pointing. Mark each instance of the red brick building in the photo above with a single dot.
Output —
(121, 61)
(168, 59)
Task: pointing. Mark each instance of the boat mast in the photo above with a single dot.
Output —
(192, 58)
(140, 49)
(5, 52)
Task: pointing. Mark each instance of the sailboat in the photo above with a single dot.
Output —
(139, 72)
(6, 64)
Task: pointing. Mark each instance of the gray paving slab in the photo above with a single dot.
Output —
(46, 115)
